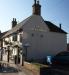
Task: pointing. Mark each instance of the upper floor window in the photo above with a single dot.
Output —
(20, 37)
(14, 37)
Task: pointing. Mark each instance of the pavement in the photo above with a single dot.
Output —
(14, 69)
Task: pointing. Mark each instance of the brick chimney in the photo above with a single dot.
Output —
(36, 8)
(14, 22)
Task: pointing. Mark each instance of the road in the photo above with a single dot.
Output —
(53, 71)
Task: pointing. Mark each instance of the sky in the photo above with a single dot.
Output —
(56, 11)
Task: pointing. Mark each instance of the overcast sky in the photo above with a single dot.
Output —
(56, 11)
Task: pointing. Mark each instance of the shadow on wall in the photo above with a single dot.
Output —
(42, 61)
(46, 60)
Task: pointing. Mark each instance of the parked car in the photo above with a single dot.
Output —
(61, 58)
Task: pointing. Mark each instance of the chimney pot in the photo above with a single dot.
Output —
(36, 8)
(14, 22)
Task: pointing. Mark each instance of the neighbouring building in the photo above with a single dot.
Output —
(35, 36)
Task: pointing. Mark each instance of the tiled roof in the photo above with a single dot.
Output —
(54, 28)
(2, 34)
(17, 27)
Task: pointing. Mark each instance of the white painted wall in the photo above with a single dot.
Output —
(9, 39)
(50, 44)
(35, 23)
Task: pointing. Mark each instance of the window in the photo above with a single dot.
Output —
(20, 37)
(15, 37)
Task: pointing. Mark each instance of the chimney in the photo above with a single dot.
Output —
(36, 8)
(14, 22)
(60, 26)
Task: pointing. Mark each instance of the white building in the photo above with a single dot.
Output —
(37, 37)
